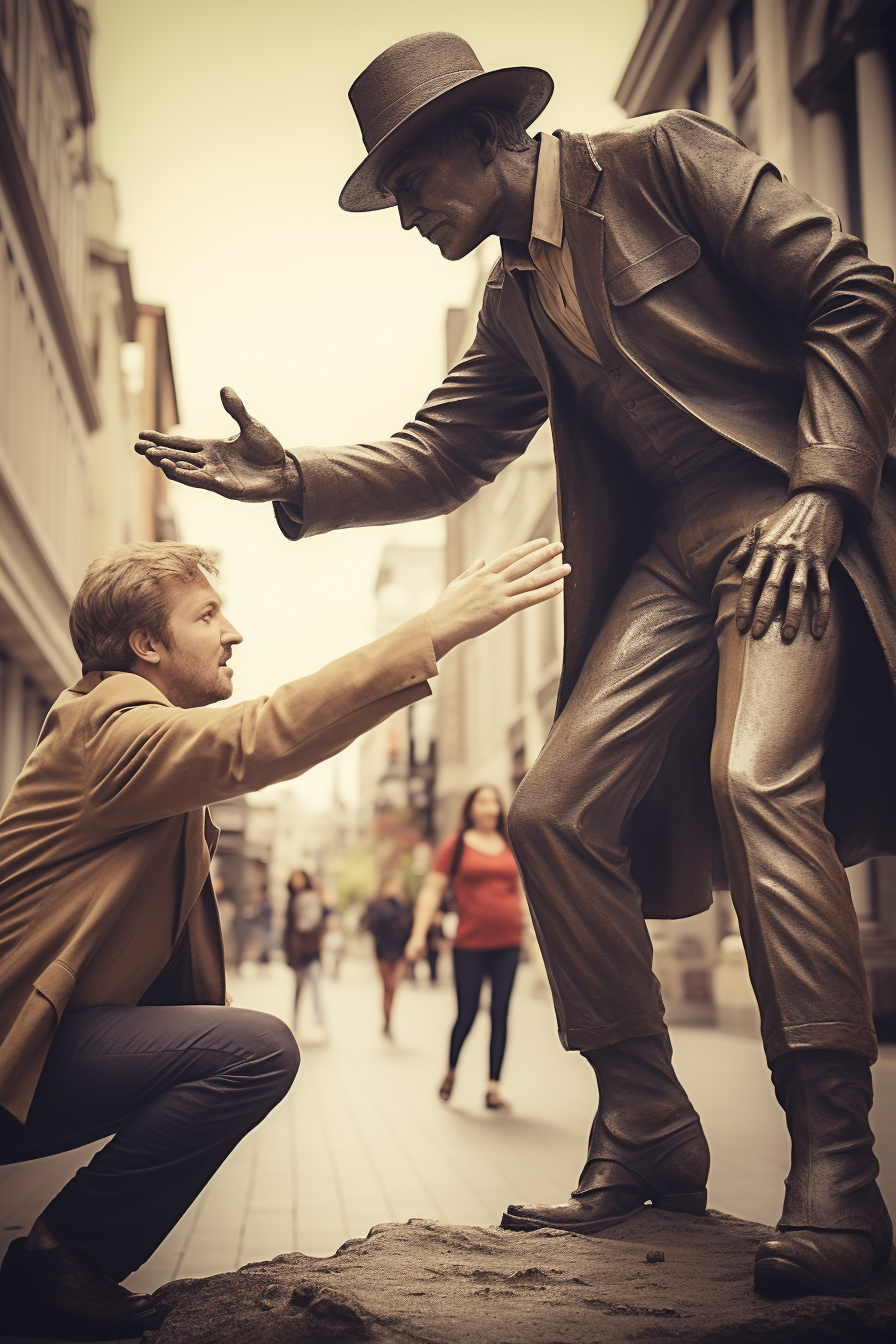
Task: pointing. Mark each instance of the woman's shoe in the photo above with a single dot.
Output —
(494, 1103)
(447, 1087)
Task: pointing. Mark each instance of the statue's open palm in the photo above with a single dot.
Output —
(251, 467)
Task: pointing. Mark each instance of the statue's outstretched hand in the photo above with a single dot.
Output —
(786, 553)
(251, 467)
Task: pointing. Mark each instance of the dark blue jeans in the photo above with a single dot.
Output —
(471, 966)
(178, 1087)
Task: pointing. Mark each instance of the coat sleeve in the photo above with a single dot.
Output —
(788, 249)
(481, 417)
(149, 760)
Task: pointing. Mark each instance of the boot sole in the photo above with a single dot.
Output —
(693, 1203)
(516, 1223)
(37, 1324)
(777, 1277)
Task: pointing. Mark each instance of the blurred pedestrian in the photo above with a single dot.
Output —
(389, 919)
(302, 939)
(478, 863)
(333, 944)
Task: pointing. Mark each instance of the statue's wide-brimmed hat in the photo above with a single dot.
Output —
(416, 83)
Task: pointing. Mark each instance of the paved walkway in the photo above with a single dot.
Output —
(363, 1139)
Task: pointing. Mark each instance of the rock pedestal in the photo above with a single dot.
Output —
(659, 1276)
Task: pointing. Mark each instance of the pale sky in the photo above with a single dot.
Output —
(228, 131)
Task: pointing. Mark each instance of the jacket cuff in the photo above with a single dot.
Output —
(290, 517)
(831, 466)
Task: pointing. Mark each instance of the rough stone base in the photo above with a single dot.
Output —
(425, 1281)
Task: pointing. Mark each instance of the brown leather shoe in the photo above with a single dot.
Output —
(62, 1294)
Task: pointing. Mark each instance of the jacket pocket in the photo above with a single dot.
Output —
(56, 983)
(655, 269)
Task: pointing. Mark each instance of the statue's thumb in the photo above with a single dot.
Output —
(233, 406)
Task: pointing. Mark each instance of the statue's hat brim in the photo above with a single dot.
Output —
(525, 89)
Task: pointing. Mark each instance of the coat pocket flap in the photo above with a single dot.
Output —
(56, 984)
(664, 264)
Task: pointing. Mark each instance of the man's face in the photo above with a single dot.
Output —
(452, 199)
(190, 668)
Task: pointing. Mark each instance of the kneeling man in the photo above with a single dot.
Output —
(112, 1001)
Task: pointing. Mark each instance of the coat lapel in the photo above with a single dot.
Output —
(579, 176)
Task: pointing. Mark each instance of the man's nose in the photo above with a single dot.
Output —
(408, 214)
(230, 636)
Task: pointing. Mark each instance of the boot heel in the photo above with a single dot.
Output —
(692, 1203)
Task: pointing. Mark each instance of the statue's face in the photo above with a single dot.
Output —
(452, 199)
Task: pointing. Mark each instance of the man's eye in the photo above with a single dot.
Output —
(206, 617)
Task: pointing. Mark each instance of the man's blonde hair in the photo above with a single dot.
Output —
(124, 591)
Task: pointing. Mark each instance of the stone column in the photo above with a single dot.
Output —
(828, 149)
(877, 155)
(773, 88)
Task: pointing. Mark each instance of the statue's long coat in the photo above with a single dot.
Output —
(741, 299)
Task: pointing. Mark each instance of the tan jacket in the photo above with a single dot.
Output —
(105, 843)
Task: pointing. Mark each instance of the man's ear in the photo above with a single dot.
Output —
(145, 648)
(481, 125)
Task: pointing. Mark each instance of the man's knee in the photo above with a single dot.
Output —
(272, 1049)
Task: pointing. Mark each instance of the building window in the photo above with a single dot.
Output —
(698, 98)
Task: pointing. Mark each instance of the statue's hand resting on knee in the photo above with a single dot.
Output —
(251, 466)
(790, 548)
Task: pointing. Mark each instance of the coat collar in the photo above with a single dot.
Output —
(144, 692)
(579, 169)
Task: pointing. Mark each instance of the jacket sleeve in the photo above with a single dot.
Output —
(151, 760)
(788, 249)
(481, 417)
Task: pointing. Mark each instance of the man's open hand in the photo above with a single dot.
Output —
(485, 595)
(251, 467)
(794, 544)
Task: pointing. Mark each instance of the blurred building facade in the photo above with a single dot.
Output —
(398, 757)
(83, 366)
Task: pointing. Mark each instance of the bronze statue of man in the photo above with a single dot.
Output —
(718, 363)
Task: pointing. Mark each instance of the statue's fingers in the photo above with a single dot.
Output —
(194, 476)
(749, 590)
(745, 547)
(234, 407)
(176, 441)
(158, 455)
(823, 608)
(769, 596)
(796, 598)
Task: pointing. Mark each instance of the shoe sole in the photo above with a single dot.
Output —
(693, 1203)
(516, 1223)
(43, 1325)
(777, 1277)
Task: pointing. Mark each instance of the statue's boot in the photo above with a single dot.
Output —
(646, 1143)
(835, 1234)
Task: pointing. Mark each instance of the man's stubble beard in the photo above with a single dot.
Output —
(195, 688)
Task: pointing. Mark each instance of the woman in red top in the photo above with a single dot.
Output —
(479, 864)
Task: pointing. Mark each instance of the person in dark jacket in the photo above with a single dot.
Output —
(718, 362)
(389, 919)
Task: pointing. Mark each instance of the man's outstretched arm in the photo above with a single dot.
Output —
(477, 421)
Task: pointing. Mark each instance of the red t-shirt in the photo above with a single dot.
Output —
(488, 899)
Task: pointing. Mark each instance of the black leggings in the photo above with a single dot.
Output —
(470, 968)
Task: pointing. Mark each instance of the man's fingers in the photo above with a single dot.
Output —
(540, 579)
(536, 595)
(518, 553)
(476, 565)
(823, 610)
(796, 598)
(547, 550)
(234, 407)
(769, 596)
(149, 437)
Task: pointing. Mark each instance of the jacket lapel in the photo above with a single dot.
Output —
(579, 176)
